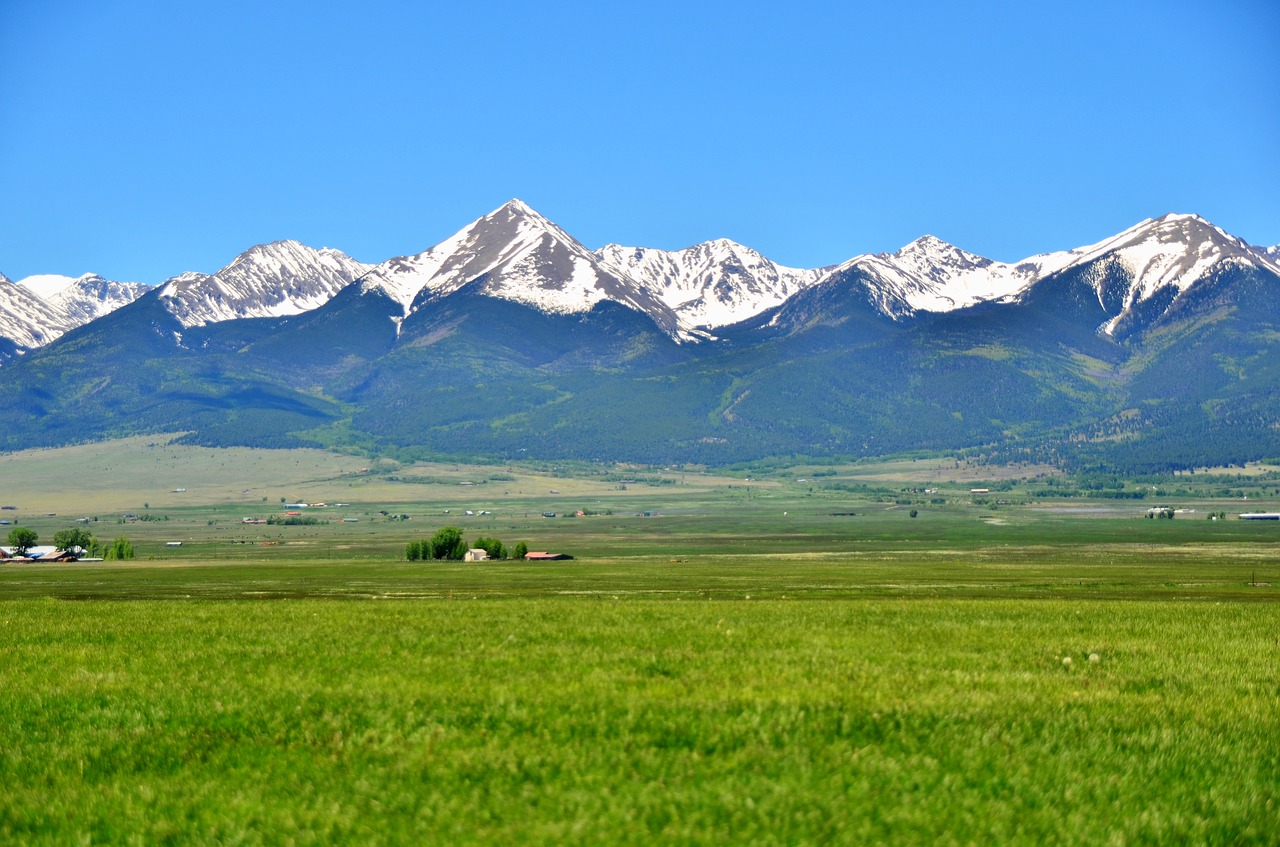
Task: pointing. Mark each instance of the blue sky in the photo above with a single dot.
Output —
(142, 139)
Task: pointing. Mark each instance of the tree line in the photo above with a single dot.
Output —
(22, 539)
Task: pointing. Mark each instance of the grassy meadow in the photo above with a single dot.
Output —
(770, 655)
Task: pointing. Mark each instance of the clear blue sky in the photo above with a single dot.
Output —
(141, 139)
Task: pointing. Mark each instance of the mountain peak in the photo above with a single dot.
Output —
(928, 255)
(1172, 227)
(927, 242)
(1172, 217)
(267, 280)
(516, 209)
(517, 206)
(513, 253)
(1173, 249)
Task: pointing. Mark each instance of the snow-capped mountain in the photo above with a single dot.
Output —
(82, 299)
(26, 319)
(513, 253)
(1170, 252)
(516, 254)
(1155, 345)
(930, 275)
(270, 280)
(708, 285)
(37, 309)
(1165, 256)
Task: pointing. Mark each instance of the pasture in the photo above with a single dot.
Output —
(763, 657)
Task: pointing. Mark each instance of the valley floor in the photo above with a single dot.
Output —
(765, 657)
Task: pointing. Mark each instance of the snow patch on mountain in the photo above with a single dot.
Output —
(1172, 251)
(270, 280)
(708, 285)
(26, 319)
(932, 275)
(91, 296)
(1271, 254)
(46, 286)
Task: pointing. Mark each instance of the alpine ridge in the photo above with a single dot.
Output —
(708, 285)
(270, 280)
(37, 309)
(513, 253)
(1151, 349)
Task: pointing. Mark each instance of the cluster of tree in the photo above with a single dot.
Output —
(121, 548)
(22, 539)
(447, 543)
(292, 520)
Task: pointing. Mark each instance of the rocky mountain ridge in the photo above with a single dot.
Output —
(692, 294)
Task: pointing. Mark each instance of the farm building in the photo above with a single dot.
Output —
(42, 553)
(475, 555)
(1260, 516)
(546, 557)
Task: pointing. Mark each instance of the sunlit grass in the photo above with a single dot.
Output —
(602, 721)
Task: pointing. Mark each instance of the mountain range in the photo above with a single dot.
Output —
(1150, 349)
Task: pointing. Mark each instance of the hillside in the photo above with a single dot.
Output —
(1152, 349)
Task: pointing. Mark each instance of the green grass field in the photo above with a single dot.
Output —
(763, 661)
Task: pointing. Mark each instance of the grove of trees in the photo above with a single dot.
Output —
(121, 548)
(447, 543)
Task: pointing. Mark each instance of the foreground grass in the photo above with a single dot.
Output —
(545, 720)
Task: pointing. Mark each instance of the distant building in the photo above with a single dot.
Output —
(546, 557)
(42, 553)
(1260, 516)
(475, 555)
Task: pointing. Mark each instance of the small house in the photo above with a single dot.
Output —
(475, 554)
